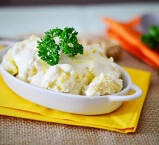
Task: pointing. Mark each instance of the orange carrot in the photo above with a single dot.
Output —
(130, 48)
(133, 22)
(132, 38)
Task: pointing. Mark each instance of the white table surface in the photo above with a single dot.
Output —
(16, 21)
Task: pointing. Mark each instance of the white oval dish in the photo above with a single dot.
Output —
(77, 104)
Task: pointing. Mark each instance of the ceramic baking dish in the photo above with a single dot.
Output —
(77, 104)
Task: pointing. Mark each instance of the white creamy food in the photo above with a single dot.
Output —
(90, 74)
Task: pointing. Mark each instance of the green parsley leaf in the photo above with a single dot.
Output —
(69, 43)
(49, 47)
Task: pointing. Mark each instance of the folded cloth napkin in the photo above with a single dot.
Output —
(130, 39)
(124, 119)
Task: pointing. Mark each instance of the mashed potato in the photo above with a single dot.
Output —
(90, 74)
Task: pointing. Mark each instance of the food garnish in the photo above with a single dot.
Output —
(56, 40)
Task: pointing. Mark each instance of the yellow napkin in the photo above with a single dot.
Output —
(1, 47)
(123, 120)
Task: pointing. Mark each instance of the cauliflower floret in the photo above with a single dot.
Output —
(82, 81)
(37, 71)
(19, 59)
(63, 78)
(59, 78)
(8, 63)
(103, 85)
(24, 54)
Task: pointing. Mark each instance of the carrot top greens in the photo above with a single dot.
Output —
(152, 38)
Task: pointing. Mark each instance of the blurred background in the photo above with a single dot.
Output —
(65, 2)
(25, 17)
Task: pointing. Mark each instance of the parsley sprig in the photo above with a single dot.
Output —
(54, 41)
(152, 38)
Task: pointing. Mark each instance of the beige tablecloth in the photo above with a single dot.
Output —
(21, 131)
